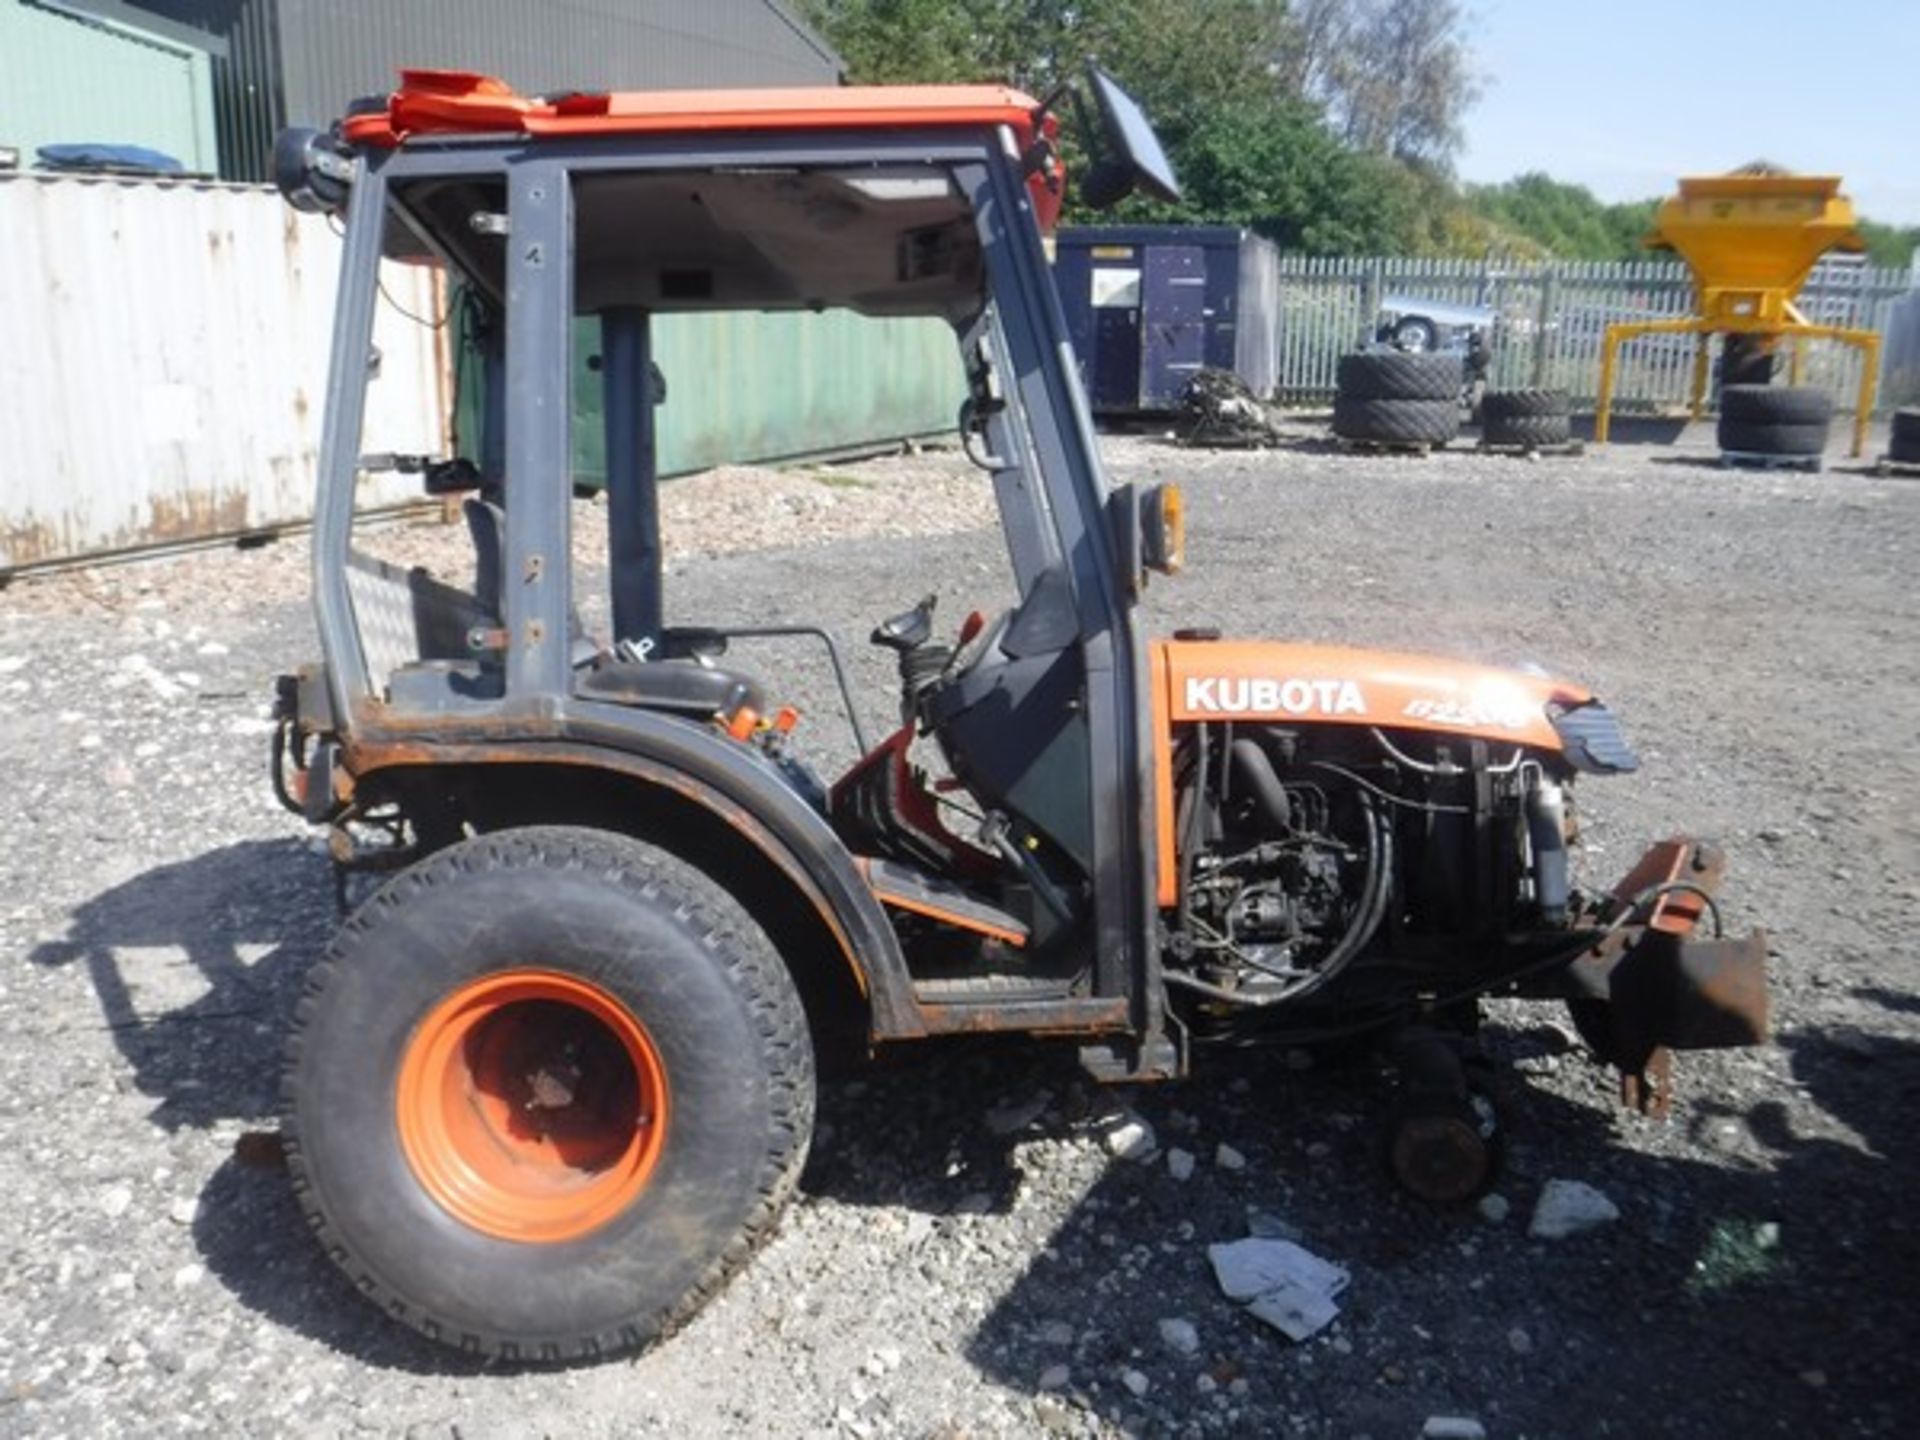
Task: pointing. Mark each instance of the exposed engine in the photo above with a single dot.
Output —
(1324, 857)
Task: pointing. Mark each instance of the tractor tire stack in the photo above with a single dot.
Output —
(1785, 421)
(1398, 399)
(1527, 419)
(1903, 444)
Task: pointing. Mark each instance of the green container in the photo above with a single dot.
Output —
(759, 386)
(68, 78)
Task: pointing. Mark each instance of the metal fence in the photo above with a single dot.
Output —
(1900, 370)
(1550, 318)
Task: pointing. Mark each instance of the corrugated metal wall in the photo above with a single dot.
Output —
(163, 365)
(337, 49)
(754, 385)
(67, 78)
(298, 62)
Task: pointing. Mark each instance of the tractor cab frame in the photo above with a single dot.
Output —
(459, 711)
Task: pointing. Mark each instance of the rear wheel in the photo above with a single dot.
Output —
(546, 1091)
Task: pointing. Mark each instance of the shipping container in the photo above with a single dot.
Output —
(163, 365)
(1149, 305)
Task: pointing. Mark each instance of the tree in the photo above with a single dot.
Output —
(1394, 76)
(1564, 220)
(1890, 245)
(1233, 87)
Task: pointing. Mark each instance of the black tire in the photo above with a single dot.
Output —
(1752, 438)
(1525, 403)
(1903, 443)
(1532, 432)
(1396, 422)
(1397, 375)
(1415, 334)
(1776, 404)
(639, 928)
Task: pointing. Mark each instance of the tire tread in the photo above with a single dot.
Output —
(728, 935)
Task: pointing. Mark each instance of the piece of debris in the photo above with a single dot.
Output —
(1180, 1336)
(1055, 1377)
(1131, 1139)
(1494, 1208)
(1180, 1163)
(1281, 1283)
(1137, 1384)
(1568, 1207)
(1056, 1332)
(1228, 1158)
(1217, 408)
(1452, 1427)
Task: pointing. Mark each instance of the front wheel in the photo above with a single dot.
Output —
(546, 1092)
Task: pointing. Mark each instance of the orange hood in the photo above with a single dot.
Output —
(1274, 681)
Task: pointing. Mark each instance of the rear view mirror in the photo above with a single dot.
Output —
(1134, 158)
(312, 170)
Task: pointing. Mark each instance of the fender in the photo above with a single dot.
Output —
(707, 769)
(1196, 681)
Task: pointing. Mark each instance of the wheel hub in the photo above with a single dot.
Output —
(532, 1106)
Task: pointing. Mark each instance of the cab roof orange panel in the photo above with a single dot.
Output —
(440, 102)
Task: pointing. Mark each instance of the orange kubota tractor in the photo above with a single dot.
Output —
(555, 1078)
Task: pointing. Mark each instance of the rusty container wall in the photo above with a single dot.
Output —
(163, 365)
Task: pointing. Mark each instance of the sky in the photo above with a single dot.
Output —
(1623, 96)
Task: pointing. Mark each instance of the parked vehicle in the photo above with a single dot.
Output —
(554, 1081)
(1417, 324)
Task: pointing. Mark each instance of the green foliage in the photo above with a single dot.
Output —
(1890, 245)
(1564, 220)
(1324, 124)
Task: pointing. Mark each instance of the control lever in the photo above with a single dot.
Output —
(909, 630)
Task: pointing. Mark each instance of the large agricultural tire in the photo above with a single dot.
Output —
(1527, 402)
(1750, 437)
(545, 1092)
(1903, 442)
(1396, 422)
(1527, 432)
(1776, 404)
(1398, 375)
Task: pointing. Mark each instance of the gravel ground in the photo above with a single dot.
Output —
(968, 1258)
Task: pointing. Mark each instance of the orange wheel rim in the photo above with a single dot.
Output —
(532, 1106)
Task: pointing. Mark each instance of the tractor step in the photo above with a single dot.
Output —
(1887, 465)
(901, 887)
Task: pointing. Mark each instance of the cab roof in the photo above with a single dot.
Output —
(451, 102)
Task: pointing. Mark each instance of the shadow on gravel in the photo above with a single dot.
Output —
(1770, 1289)
(203, 1035)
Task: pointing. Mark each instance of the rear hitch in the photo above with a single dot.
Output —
(1672, 993)
(1650, 986)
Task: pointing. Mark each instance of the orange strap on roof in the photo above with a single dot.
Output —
(456, 101)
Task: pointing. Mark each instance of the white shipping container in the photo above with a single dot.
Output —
(163, 362)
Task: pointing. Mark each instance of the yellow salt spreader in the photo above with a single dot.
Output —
(1751, 239)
